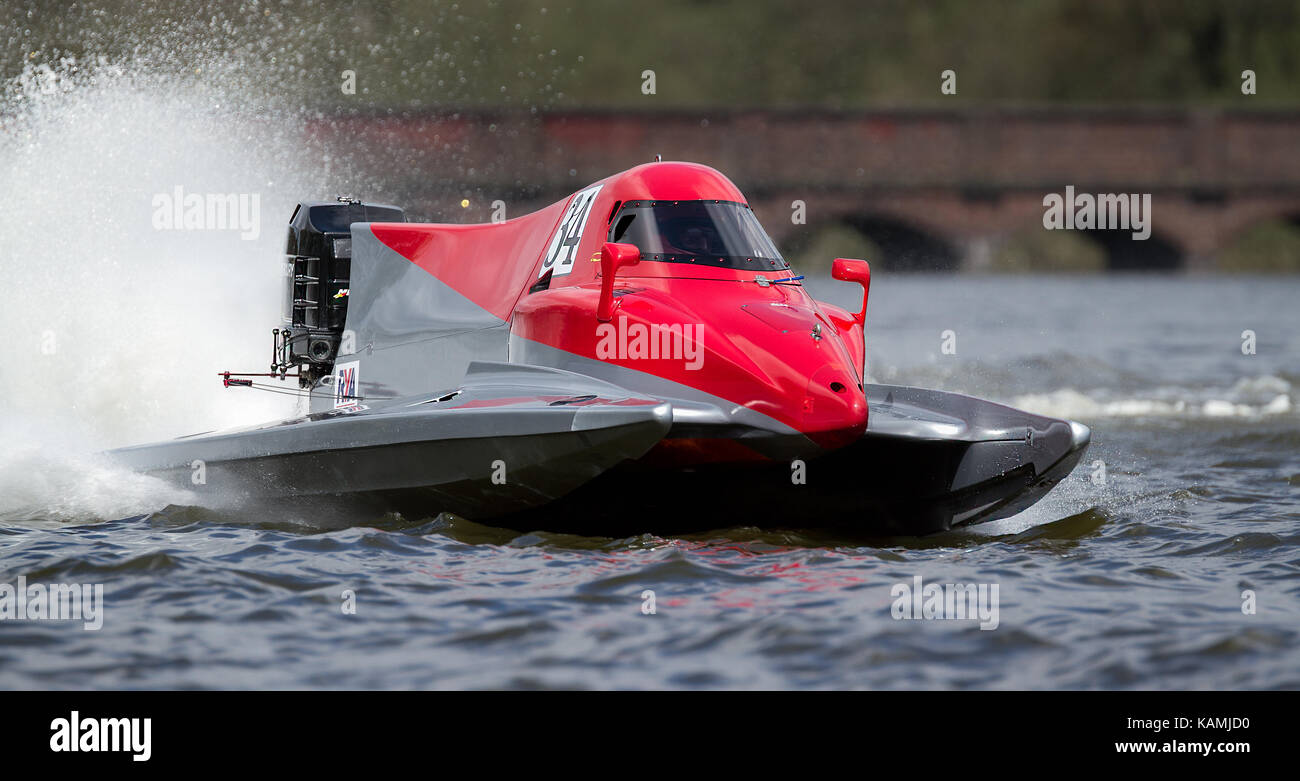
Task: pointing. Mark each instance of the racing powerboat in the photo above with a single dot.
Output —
(635, 357)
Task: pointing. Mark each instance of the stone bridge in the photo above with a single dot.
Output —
(932, 188)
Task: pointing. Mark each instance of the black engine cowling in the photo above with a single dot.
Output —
(318, 265)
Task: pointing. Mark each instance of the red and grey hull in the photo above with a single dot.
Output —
(501, 371)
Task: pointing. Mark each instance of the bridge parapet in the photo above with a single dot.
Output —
(965, 176)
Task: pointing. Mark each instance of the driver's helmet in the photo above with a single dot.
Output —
(692, 236)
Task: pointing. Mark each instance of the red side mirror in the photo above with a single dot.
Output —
(849, 270)
(612, 258)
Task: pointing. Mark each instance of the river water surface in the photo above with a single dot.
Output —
(1131, 574)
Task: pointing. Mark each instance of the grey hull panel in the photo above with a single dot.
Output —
(570, 446)
(928, 462)
(987, 460)
(508, 439)
(409, 331)
(445, 475)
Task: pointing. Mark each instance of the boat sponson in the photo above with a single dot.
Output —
(511, 437)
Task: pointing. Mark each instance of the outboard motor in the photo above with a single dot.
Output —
(319, 261)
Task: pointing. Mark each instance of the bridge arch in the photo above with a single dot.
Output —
(811, 248)
(885, 241)
(1124, 253)
(905, 246)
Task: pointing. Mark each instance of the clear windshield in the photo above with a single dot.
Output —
(707, 233)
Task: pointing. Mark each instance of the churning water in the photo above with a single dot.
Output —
(1130, 574)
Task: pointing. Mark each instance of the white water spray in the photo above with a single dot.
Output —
(114, 331)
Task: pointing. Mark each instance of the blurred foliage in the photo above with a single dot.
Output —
(1268, 246)
(814, 251)
(411, 54)
(1039, 249)
(288, 56)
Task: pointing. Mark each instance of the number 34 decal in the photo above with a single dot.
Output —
(564, 246)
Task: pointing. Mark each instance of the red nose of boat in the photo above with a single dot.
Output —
(772, 351)
(834, 410)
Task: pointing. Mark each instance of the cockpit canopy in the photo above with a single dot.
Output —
(723, 234)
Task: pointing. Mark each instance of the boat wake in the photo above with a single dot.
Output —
(1250, 398)
(39, 485)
